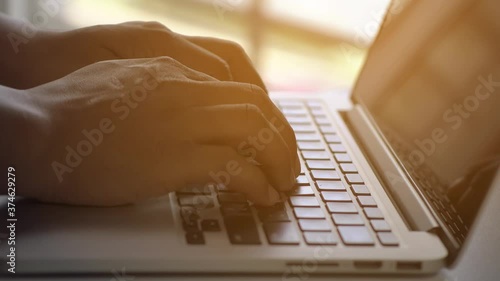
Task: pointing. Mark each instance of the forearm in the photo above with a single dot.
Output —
(20, 121)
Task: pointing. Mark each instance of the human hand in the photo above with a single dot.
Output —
(120, 131)
(52, 55)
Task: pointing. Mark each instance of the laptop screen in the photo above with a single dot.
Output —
(431, 84)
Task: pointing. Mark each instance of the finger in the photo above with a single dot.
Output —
(152, 39)
(130, 72)
(246, 129)
(234, 55)
(217, 93)
(216, 164)
(168, 69)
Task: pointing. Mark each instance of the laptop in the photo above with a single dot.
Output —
(390, 182)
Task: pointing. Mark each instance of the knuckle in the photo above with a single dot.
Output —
(154, 25)
(256, 119)
(165, 60)
(234, 47)
(224, 69)
(261, 98)
(253, 110)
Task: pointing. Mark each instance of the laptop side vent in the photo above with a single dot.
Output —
(367, 264)
(408, 266)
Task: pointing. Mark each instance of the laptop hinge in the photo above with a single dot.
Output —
(409, 202)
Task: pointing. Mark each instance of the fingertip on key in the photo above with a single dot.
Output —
(274, 196)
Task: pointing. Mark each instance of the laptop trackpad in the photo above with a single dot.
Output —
(49, 231)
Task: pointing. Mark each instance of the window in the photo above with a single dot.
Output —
(295, 44)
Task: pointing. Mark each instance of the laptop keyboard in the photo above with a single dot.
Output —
(433, 189)
(329, 205)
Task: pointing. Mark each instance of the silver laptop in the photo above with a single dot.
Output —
(385, 184)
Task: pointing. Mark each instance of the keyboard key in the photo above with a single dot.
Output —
(189, 213)
(304, 201)
(335, 147)
(330, 185)
(332, 138)
(367, 201)
(307, 137)
(190, 226)
(342, 157)
(309, 213)
(200, 189)
(348, 168)
(315, 155)
(322, 120)
(302, 180)
(298, 120)
(356, 235)
(199, 201)
(338, 196)
(195, 238)
(276, 212)
(360, 189)
(354, 178)
(314, 104)
(303, 128)
(316, 145)
(281, 233)
(327, 129)
(314, 225)
(318, 112)
(294, 111)
(373, 213)
(231, 209)
(380, 225)
(320, 238)
(341, 207)
(231, 197)
(302, 190)
(387, 238)
(320, 164)
(242, 230)
(325, 175)
(347, 219)
(290, 103)
(210, 225)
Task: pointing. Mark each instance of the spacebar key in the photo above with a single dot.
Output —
(242, 230)
(282, 233)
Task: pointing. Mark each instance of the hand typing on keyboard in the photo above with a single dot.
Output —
(120, 113)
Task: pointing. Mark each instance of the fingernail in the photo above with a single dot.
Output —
(274, 196)
(294, 175)
(253, 162)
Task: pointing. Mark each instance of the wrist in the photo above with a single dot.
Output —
(24, 127)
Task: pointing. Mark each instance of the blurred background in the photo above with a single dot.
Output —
(295, 44)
